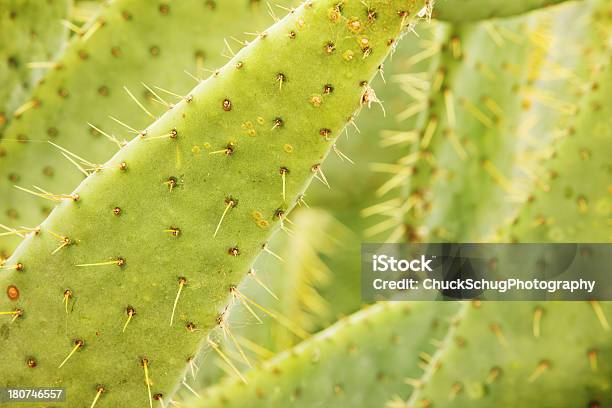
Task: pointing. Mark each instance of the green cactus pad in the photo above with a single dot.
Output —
(572, 200)
(511, 354)
(486, 127)
(130, 43)
(30, 32)
(317, 282)
(184, 209)
(472, 137)
(470, 10)
(361, 361)
(359, 196)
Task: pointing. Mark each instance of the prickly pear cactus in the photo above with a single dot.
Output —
(315, 279)
(335, 227)
(291, 285)
(483, 149)
(384, 345)
(523, 329)
(517, 354)
(359, 188)
(136, 272)
(216, 172)
(472, 10)
(31, 34)
(131, 50)
(526, 345)
(473, 141)
(572, 200)
(472, 357)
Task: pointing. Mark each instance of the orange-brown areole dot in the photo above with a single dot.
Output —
(12, 292)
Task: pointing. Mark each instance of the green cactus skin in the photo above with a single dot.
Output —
(522, 354)
(290, 285)
(358, 362)
(354, 187)
(547, 94)
(84, 11)
(131, 42)
(572, 202)
(346, 198)
(143, 225)
(471, 10)
(321, 246)
(490, 349)
(316, 242)
(471, 177)
(525, 366)
(471, 135)
(30, 31)
(526, 346)
(317, 235)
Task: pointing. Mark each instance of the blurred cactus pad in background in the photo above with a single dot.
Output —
(185, 186)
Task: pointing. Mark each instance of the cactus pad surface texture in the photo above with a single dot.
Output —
(30, 33)
(135, 46)
(362, 360)
(211, 177)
